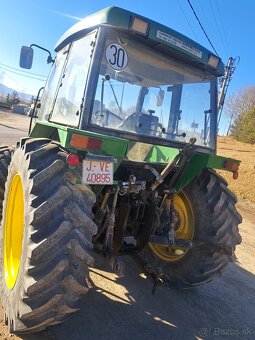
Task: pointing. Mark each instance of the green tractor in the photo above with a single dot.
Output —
(120, 160)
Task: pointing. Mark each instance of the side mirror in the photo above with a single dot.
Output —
(160, 97)
(26, 57)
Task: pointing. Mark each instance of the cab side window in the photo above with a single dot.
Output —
(71, 88)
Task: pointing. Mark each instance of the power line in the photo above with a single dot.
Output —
(21, 88)
(202, 15)
(16, 69)
(22, 75)
(187, 20)
(200, 24)
(223, 28)
(206, 18)
(218, 28)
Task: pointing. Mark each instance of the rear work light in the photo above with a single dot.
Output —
(213, 61)
(139, 26)
(72, 160)
(85, 142)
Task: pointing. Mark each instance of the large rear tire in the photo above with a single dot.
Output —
(215, 235)
(46, 236)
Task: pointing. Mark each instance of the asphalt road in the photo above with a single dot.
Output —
(125, 308)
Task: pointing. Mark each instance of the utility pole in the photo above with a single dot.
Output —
(230, 123)
(225, 80)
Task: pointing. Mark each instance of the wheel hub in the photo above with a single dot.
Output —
(184, 230)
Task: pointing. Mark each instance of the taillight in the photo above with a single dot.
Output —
(72, 159)
(232, 166)
(85, 142)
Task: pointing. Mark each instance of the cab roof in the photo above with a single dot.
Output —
(162, 37)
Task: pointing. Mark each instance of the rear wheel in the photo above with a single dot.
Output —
(46, 236)
(207, 213)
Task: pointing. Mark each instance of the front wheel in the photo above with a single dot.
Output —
(207, 213)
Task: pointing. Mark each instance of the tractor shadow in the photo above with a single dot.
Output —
(126, 309)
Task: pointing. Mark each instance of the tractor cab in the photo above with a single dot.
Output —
(119, 74)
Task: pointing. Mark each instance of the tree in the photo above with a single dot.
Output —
(8, 100)
(15, 98)
(243, 128)
(240, 102)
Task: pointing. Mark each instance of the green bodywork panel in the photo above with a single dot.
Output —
(198, 162)
(129, 150)
(161, 154)
(110, 146)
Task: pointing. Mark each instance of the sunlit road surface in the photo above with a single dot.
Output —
(12, 127)
(125, 308)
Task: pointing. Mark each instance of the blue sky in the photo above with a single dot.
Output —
(228, 23)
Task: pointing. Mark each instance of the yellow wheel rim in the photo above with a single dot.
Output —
(13, 231)
(186, 228)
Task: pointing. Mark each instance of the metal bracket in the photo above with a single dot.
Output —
(103, 158)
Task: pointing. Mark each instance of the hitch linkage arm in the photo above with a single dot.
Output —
(180, 161)
(182, 157)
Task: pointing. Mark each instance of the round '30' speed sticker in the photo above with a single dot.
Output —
(116, 56)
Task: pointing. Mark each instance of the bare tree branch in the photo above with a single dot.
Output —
(239, 102)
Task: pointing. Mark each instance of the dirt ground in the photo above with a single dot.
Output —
(125, 308)
(244, 186)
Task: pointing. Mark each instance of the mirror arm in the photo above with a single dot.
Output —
(33, 111)
(49, 59)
